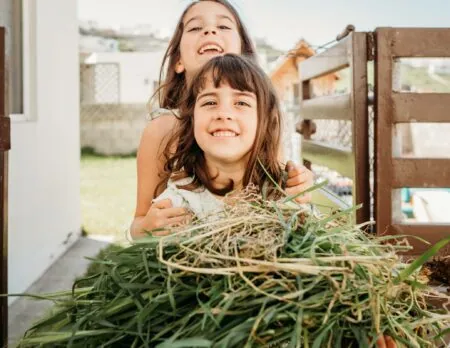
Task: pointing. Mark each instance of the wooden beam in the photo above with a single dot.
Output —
(431, 233)
(419, 42)
(421, 107)
(420, 172)
(360, 126)
(336, 107)
(328, 61)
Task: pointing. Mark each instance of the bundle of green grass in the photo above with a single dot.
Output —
(262, 274)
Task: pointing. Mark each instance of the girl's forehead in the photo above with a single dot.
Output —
(215, 81)
(209, 86)
(203, 9)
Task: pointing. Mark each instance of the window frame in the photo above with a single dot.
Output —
(25, 37)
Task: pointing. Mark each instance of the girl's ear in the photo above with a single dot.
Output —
(179, 67)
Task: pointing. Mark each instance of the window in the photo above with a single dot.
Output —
(23, 53)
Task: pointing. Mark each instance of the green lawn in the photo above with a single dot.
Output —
(108, 194)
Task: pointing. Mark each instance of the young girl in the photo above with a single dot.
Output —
(207, 28)
(229, 128)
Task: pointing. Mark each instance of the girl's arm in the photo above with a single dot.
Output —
(150, 165)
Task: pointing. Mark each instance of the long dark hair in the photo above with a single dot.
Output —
(188, 160)
(170, 92)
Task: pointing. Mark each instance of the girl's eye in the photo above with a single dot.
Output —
(209, 103)
(194, 29)
(242, 103)
(224, 27)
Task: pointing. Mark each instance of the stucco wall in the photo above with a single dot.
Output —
(44, 189)
(112, 129)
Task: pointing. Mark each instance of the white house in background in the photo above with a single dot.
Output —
(44, 184)
(119, 77)
(92, 43)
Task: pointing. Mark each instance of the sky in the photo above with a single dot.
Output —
(281, 22)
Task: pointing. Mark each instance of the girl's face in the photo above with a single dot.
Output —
(225, 123)
(209, 30)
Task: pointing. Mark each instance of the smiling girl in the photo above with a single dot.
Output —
(206, 29)
(229, 128)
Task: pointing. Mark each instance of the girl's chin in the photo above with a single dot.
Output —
(223, 157)
(210, 55)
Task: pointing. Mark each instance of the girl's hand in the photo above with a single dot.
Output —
(386, 342)
(162, 214)
(299, 179)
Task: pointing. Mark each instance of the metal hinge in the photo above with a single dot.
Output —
(370, 45)
(5, 133)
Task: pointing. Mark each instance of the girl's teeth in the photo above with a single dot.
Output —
(224, 134)
(210, 47)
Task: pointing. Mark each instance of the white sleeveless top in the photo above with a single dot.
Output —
(200, 201)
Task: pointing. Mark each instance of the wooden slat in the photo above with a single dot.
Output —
(327, 62)
(5, 133)
(383, 131)
(418, 172)
(360, 129)
(336, 107)
(335, 158)
(419, 42)
(417, 107)
(430, 233)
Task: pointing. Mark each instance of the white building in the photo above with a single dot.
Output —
(92, 43)
(120, 77)
(44, 185)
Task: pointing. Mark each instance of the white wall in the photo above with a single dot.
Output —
(44, 190)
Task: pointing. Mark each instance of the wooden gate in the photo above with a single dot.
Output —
(391, 172)
(392, 107)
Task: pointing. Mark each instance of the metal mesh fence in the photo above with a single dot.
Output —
(334, 132)
(290, 139)
(99, 83)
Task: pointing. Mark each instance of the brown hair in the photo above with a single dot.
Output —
(188, 160)
(169, 93)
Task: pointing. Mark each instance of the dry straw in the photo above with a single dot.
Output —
(260, 274)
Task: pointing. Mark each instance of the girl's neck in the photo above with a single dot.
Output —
(223, 172)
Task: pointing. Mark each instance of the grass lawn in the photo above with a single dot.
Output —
(108, 194)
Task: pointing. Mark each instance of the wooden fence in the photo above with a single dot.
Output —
(392, 106)
(391, 171)
(350, 52)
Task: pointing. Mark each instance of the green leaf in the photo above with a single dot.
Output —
(421, 260)
(186, 343)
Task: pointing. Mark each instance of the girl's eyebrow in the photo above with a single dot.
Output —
(209, 94)
(195, 18)
(246, 94)
(226, 17)
(239, 94)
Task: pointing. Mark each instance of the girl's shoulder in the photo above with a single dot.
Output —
(158, 112)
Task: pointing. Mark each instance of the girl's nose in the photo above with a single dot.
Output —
(209, 31)
(224, 114)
